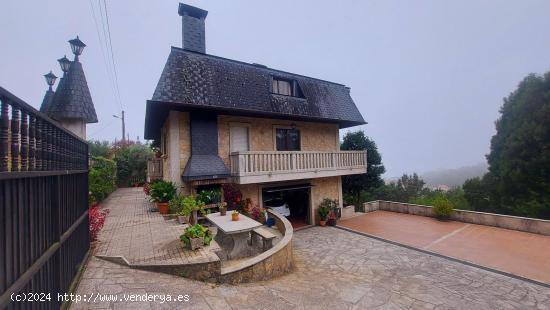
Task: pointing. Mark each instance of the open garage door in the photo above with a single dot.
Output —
(292, 201)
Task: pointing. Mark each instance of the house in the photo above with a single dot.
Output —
(274, 134)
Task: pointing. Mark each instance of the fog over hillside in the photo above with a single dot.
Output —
(454, 177)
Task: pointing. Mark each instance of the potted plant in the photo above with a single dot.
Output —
(327, 208)
(191, 206)
(331, 219)
(223, 208)
(322, 211)
(442, 208)
(196, 236)
(235, 215)
(161, 193)
(176, 208)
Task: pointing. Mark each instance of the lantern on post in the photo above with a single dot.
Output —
(65, 64)
(50, 79)
(77, 47)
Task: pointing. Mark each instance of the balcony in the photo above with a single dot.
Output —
(273, 166)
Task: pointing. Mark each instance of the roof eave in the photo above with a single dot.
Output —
(156, 111)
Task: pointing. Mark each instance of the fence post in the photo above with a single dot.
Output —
(14, 138)
(32, 145)
(4, 136)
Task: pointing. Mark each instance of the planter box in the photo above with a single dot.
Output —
(196, 243)
(183, 219)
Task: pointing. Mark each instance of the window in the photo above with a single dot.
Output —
(239, 139)
(286, 87)
(287, 139)
(282, 87)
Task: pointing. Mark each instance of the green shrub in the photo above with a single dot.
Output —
(442, 208)
(209, 196)
(176, 204)
(162, 191)
(101, 178)
(325, 207)
(131, 159)
(190, 203)
(197, 231)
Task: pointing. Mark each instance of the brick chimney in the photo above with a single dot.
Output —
(193, 34)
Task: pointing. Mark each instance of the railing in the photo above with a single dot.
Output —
(154, 169)
(255, 163)
(44, 233)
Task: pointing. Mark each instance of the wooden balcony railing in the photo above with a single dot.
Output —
(249, 167)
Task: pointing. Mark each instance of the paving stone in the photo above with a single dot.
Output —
(334, 269)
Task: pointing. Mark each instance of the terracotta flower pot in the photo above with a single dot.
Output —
(234, 217)
(323, 223)
(163, 207)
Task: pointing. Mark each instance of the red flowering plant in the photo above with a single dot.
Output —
(257, 213)
(232, 196)
(97, 219)
(146, 188)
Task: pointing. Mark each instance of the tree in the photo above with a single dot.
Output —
(477, 194)
(355, 184)
(100, 148)
(131, 159)
(519, 159)
(410, 187)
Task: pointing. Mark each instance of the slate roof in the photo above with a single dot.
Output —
(72, 97)
(204, 167)
(46, 102)
(197, 80)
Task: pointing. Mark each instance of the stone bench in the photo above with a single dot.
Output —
(266, 236)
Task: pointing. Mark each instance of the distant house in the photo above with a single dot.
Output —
(272, 133)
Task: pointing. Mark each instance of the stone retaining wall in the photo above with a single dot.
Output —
(489, 219)
(269, 264)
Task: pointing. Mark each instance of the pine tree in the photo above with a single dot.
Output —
(519, 160)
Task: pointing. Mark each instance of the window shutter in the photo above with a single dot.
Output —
(239, 139)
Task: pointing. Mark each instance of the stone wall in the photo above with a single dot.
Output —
(489, 219)
(324, 188)
(314, 136)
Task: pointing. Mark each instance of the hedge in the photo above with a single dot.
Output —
(102, 178)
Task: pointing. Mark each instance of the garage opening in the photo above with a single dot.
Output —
(291, 201)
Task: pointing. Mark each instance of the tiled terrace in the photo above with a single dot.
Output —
(520, 253)
(334, 269)
(142, 237)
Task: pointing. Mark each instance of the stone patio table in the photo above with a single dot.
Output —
(233, 236)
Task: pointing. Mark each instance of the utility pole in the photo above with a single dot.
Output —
(123, 125)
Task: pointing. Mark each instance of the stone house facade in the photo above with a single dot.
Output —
(274, 134)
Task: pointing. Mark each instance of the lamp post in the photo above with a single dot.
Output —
(77, 47)
(123, 125)
(50, 79)
(65, 64)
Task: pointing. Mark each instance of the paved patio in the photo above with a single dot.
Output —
(516, 252)
(335, 269)
(143, 237)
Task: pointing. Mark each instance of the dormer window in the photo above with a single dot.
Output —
(286, 87)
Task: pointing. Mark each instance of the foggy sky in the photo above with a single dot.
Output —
(428, 76)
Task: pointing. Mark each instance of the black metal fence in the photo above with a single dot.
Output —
(44, 229)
